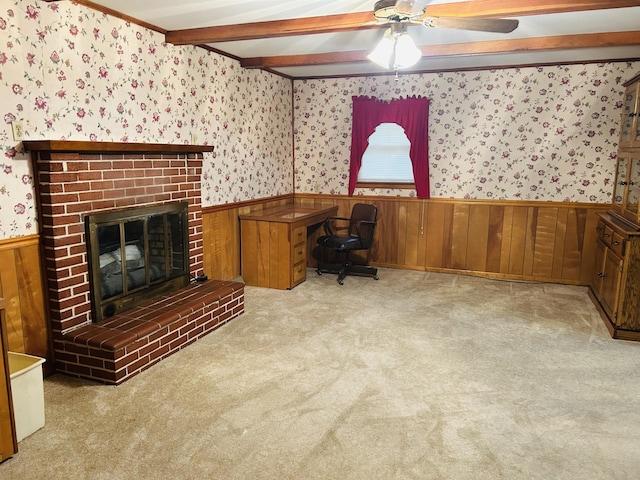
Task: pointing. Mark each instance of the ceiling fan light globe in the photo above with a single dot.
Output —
(381, 55)
(407, 54)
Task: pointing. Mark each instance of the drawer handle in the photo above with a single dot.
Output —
(601, 275)
(607, 235)
(615, 243)
(300, 252)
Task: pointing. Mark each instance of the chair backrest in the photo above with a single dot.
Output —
(363, 212)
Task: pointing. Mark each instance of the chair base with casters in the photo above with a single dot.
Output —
(346, 235)
(347, 268)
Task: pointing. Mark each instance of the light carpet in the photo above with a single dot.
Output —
(415, 376)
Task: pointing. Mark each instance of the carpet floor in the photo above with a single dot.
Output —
(415, 376)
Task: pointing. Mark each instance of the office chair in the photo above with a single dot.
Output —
(345, 235)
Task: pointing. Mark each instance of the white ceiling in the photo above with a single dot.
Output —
(170, 15)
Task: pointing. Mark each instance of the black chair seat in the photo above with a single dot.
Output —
(340, 243)
(345, 235)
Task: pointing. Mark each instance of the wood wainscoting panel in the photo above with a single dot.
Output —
(21, 284)
(560, 242)
(586, 232)
(221, 238)
(221, 235)
(573, 242)
(478, 238)
(545, 242)
(459, 237)
(536, 241)
(437, 235)
(519, 236)
(10, 290)
(530, 240)
(495, 238)
(413, 252)
(506, 238)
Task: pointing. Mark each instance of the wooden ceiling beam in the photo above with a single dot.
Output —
(539, 44)
(365, 20)
(275, 28)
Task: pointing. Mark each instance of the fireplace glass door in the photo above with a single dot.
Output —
(136, 255)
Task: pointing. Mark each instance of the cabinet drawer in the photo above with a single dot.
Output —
(617, 244)
(299, 235)
(607, 235)
(299, 272)
(600, 230)
(300, 253)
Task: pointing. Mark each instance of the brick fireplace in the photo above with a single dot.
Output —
(75, 179)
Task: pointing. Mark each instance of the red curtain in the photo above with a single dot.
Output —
(412, 114)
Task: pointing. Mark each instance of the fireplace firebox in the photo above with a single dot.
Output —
(136, 255)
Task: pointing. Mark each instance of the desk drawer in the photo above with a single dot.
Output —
(300, 253)
(299, 272)
(299, 235)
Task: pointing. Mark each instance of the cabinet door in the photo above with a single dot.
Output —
(598, 273)
(629, 133)
(620, 187)
(633, 188)
(611, 276)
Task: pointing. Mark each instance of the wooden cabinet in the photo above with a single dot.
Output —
(630, 127)
(8, 442)
(616, 281)
(274, 244)
(615, 286)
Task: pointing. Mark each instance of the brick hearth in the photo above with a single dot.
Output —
(78, 178)
(125, 344)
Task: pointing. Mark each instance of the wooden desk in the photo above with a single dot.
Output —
(274, 244)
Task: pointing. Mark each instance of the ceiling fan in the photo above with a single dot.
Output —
(412, 11)
(397, 50)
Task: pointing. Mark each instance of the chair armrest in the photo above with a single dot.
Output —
(327, 224)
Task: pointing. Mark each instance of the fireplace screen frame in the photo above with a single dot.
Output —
(173, 279)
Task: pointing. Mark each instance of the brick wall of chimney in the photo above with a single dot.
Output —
(72, 185)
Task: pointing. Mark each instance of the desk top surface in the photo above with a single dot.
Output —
(290, 214)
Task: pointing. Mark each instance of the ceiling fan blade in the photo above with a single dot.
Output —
(411, 7)
(497, 25)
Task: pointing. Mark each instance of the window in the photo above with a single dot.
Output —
(411, 114)
(386, 159)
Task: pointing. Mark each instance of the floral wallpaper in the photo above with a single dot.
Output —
(70, 72)
(540, 133)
